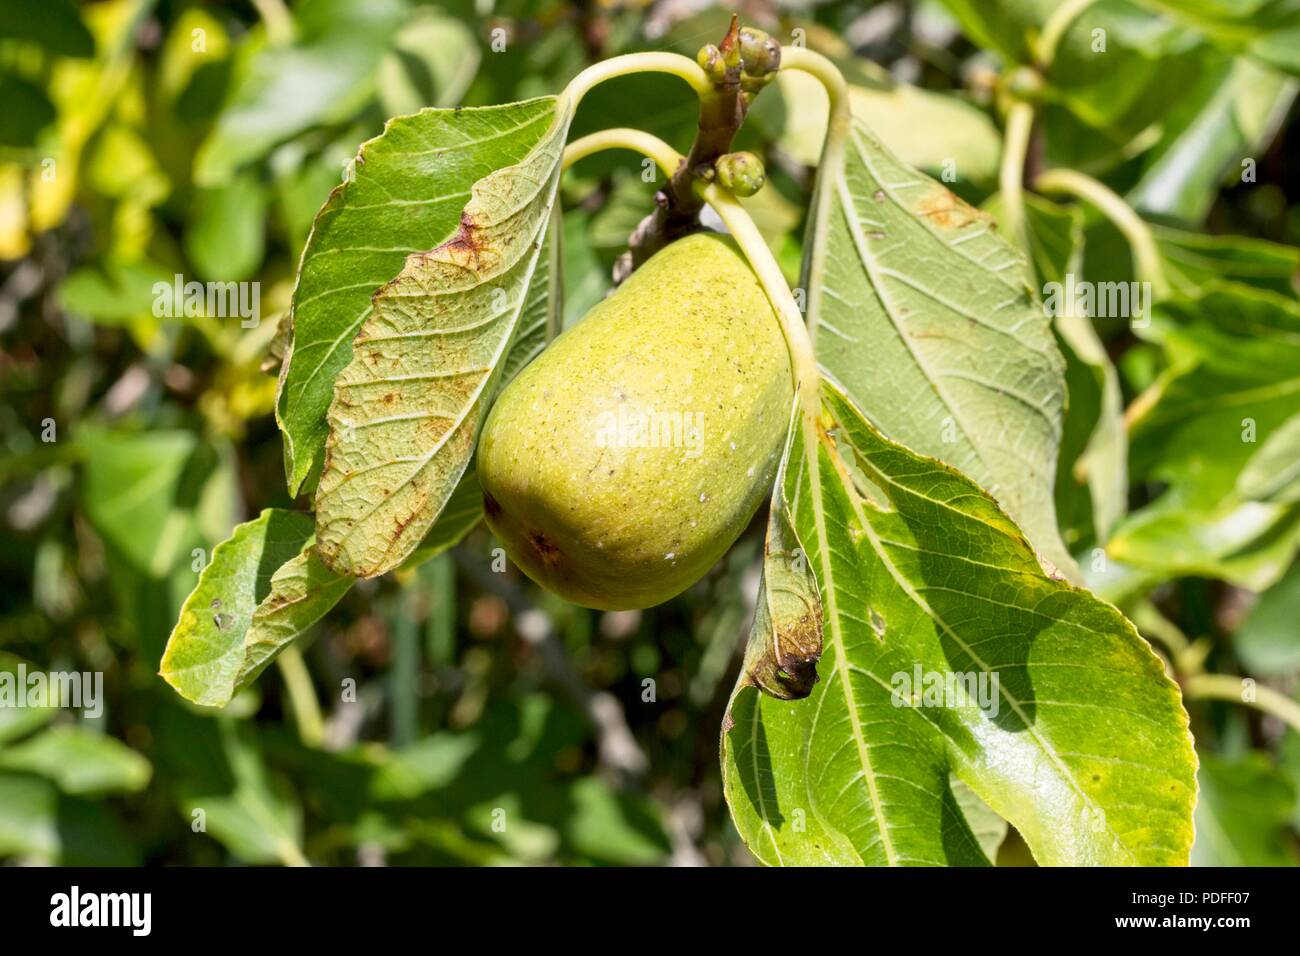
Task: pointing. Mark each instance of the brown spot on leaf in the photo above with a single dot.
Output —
(467, 246)
(946, 210)
(798, 649)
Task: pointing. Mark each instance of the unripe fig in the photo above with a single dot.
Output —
(742, 173)
(629, 456)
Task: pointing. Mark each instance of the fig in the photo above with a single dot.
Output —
(625, 460)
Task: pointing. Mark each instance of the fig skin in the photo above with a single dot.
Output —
(613, 520)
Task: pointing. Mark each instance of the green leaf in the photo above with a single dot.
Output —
(301, 592)
(215, 653)
(1267, 642)
(322, 76)
(155, 496)
(1233, 386)
(39, 822)
(426, 363)
(1110, 89)
(79, 761)
(1193, 261)
(1273, 472)
(27, 111)
(113, 293)
(1231, 112)
(923, 315)
(58, 28)
(1243, 813)
(403, 195)
(225, 238)
(206, 651)
(1082, 743)
(1268, 30)
(432, 63)
(222, 780)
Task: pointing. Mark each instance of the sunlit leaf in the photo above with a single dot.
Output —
(923, 315)
(404, 195)
(206, 651)
(424, 367)
(1081, 742)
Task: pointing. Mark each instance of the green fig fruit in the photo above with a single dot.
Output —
(629, 456)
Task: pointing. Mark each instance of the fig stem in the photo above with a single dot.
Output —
(825, 72)
(839, 123)
(1011, 173)
(802, 361)
(1057, 25)
(302, 696)
(629, 63)
(665, 157)
(1146, 253)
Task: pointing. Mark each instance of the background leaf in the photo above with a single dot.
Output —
(79, 761)
(1242, 815)
(327, 69)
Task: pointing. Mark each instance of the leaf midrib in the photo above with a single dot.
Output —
(812, 456)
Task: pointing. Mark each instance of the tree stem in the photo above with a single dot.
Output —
(280, 27)
(1055, 28)
(677, 206)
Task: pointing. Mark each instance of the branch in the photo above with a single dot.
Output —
(738, 68)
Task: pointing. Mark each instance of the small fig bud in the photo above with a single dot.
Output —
(741, 173)
(710, 60)
(759, 52)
